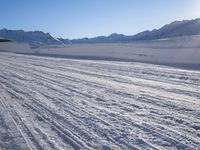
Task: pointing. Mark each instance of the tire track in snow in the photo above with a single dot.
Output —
(77, 104)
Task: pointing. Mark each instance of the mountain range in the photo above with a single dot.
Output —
(174, 29)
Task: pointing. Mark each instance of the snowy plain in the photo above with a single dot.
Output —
(60, 104)
(181, 52)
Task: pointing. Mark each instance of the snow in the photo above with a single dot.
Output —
(181, 52)
(55, 103)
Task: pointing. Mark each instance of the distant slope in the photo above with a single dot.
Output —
(174, 29)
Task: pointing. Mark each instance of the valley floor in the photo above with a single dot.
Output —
(55, 103)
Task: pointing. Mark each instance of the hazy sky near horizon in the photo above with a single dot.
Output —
(89, 18)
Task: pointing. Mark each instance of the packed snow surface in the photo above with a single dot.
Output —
(53, 104)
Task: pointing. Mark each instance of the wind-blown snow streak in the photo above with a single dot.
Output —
(52, 103)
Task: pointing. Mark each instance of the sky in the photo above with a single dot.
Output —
(90, 18)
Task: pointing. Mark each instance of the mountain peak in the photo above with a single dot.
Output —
(115, 35)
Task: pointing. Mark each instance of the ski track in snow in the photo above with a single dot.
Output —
(51, 103)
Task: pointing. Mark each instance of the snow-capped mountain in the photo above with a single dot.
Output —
(174, 29)
(31, 37)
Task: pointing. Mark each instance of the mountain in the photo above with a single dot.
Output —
(31, 37)
(101, 39)
(174, 29)
(39, 38)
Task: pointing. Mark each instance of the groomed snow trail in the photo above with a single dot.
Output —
(55, 104)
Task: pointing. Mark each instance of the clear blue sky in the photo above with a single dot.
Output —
(89, 18)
